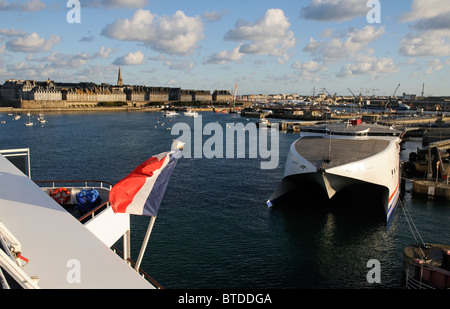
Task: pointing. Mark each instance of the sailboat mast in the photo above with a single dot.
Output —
(234, 95)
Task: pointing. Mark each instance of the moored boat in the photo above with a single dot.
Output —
(191, 113)
(170, 114)
(343, 162)
(426, 266)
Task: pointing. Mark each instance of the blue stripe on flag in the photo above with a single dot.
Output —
(156, 195)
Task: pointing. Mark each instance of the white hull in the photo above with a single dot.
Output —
(191, 113)
(170, 114)
(340, 163)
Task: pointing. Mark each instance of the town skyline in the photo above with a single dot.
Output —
(266, 47)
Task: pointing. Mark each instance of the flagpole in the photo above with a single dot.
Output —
(144, 242)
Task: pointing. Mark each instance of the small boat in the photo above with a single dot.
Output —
(191, 113)
(41, 118)
(29, 123)
(426, 266)
(170, 114)
(16, 117)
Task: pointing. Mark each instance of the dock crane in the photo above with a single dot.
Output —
(333, 97)
(392, 97)
(356, 98)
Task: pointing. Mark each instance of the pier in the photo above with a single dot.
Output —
(432, 167)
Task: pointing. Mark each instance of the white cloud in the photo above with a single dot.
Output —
(334, 10)
(131, 59)
(32, 43)
(431, 22)
(336, 49)
(269, 35)
(366, 65)
(12, 32)
(180, 65)
(213, 16)
(426, 44)
(426, 9)
(26, 70)
(225, 56)
(115, 3)
(33, 6)
(434, 65)
(27, 6)
(104, 52)
(308, 69)
(176, 34)
(59, 60)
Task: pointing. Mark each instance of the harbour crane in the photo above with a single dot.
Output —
(393, 96)
(333, 97)
(360, 99)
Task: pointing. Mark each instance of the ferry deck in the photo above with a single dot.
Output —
(60, 252)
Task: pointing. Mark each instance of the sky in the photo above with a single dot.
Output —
(266, 47)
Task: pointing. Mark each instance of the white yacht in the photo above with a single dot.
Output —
(191, 113)
(343, 161)
(170, 114)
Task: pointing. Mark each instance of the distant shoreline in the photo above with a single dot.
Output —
(89, 109)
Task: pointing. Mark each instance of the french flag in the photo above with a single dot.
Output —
(141, 192)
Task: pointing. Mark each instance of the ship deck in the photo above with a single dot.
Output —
(332, 152)
(62, 252)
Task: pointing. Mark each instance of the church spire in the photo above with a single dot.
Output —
(119, 79)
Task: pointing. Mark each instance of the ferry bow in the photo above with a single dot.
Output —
(343, 162)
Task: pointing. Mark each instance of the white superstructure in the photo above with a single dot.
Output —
(60, 251)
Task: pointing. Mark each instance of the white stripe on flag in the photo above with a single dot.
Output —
(136, 207)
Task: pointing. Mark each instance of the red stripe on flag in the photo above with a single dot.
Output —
(122, 194)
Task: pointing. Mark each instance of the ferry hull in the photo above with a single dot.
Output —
(374, 177)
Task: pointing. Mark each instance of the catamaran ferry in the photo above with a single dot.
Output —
(343, 161)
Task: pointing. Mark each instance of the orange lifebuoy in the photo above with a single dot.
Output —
(61, 195)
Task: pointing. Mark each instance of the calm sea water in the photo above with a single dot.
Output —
(214, 229)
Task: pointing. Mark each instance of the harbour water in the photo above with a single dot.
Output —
(214, 230)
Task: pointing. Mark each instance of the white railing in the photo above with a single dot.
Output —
(10, 260)
(25, 152)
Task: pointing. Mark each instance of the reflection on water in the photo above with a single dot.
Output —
(214, 229)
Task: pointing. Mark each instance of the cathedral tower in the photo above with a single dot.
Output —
(119, 79)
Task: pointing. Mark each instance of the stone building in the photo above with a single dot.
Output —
(201, 95)
(222, 96)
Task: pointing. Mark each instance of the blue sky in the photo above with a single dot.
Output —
(265, 46)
